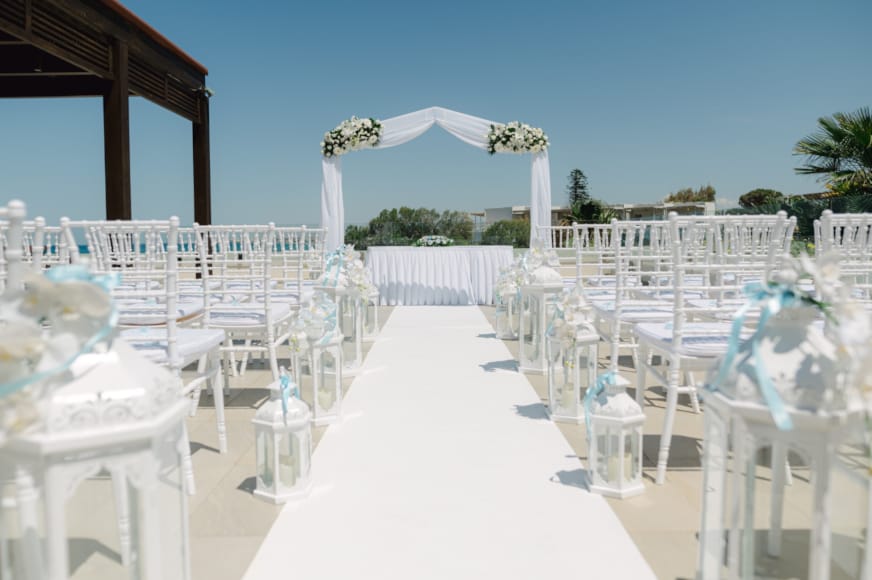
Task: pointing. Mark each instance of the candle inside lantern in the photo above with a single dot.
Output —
(288, 462)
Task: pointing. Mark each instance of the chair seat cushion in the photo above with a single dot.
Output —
(699, 339)
(250, 314)
(151, 313)
(635, 310)
(192, 343)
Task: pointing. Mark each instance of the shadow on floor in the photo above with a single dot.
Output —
(248, 484)
(500, 365)
(683, 452)
(81, 550)
(488, 335)
(532, 411)
(576, 478)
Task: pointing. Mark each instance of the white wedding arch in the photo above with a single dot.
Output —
(398, 130)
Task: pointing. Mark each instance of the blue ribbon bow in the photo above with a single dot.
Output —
(771, 298)
(598, 388)
(335, 261)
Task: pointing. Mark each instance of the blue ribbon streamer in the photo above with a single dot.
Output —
(335, 261)
(771, 299)
(287, 387)
(608, 377)
(60, 274)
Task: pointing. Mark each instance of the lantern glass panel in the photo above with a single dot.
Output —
(289, 459)
(631, 454)
(531, 329)
(326, 396)
(564, 376)
(170, 502)
(265, 455)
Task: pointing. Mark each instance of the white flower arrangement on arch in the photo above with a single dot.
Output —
(433, 242)
(351, 135)
(516, 137)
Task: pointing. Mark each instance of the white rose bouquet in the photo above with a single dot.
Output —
(433, 241)
(351, 135)
(516, 137)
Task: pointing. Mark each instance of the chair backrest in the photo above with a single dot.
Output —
(298, 253)
(850, 235)
(148, 293)
(722, 254)
(593, 245)
(11, 244)
(237, 264)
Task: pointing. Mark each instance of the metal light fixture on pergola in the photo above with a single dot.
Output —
(98, 48)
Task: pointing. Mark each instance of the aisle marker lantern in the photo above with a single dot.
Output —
(539, 296)
(283, 439)
(572, 354)
(347, 282)
(794, 386)
(507, 299)
(319, 318)
(614, 438)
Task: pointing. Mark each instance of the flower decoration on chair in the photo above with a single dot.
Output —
(537, 256)
(433, 241)
(509, 281)
(837, 350)
(336, 265)
(318, 318)
(516, 137)
(44, 328)
(570, 317)
(351, 135)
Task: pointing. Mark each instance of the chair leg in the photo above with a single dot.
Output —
(641, 373)
(195, 398)
(218, 397)
(187, 463)
(122, 511)
(779, 468)
(694, 396)
(668, 424)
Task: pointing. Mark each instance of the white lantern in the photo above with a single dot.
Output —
(349, 319)
(283, 448)
(572, 365)
(538, 303)
(370, 316)
(614, 427)
(786, 389)
(507, 315)
(120, 413)
(325, 362)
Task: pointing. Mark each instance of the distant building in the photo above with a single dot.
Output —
(660, 211)
(624, 211)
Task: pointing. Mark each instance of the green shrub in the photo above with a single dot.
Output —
(514, 233)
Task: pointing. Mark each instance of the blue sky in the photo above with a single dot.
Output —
(644, 97)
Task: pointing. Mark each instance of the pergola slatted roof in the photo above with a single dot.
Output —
(79, 48)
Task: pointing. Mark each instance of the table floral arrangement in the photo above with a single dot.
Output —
(351, 135)
(433, 241)
(516, 137)
(44, 328)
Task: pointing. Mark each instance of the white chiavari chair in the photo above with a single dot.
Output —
(238, 289)
(718, 256)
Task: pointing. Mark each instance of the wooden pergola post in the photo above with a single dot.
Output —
(99, 48)
(202, 165)
(116, 137)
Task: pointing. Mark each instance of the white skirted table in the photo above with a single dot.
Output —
(453, 275)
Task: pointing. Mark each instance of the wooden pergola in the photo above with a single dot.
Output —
(98, 48)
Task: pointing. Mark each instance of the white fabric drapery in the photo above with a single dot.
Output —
(454, 275)
(404, 128)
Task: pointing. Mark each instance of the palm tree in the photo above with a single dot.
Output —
(840, 151)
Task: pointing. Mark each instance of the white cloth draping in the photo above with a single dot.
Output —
(404, 128)
(455, 275)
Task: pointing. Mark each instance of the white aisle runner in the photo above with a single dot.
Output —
(446, 468)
